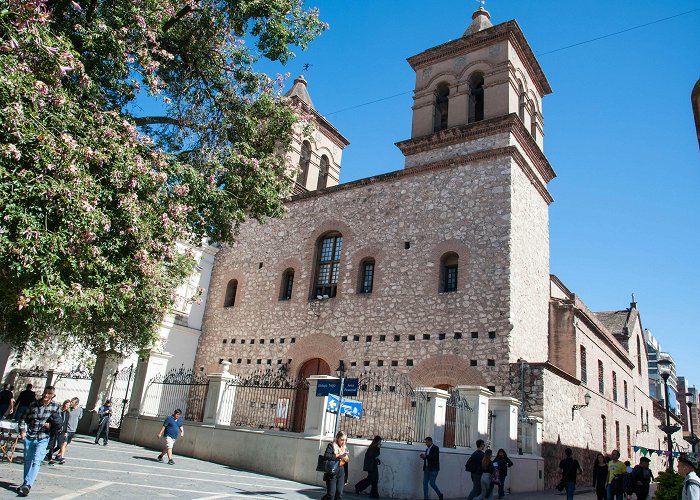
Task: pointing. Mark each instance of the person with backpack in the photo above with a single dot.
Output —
(489, 473)
(641, 478)
(473, 466)
(687, 466)
(616, 471)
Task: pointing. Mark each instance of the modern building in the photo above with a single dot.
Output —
(656, 383)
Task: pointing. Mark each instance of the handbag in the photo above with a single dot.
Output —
(321, 463)
(331, 467)
(560, 485)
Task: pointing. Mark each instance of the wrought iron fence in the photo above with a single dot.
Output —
(36, 376)
(179, 388)
(391, 408)
(73, 384)
(458, 416)
(267, 399)
(120, 395)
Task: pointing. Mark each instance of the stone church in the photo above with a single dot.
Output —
(439, 270)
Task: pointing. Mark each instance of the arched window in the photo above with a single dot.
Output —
(366, 276)
(449, 264)
(304, 160)
(329, 250)
(231, 290)
(533, 121)
(639, 355)
(287, 284)
(521, 102)
(476, 98)
(442, 105)
(323, 173)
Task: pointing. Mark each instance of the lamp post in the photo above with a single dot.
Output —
(690, 403)
(587, 398)
(664, 365)
(341, 375)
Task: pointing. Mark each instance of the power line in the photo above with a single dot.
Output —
(577, 44)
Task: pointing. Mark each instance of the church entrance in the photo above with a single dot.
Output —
(315, 366)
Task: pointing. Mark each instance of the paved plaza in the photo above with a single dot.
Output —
(125, 471)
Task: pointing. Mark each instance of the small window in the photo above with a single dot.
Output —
(242, 341)
(475, 335)
(366, 276)
(397, 338)
(382, 338)
(238, 361)
(472, 362)
(492, 335)
(287, 284)
(406, 245)
(411, 337)
(394, 363)
(380, 362)
(491, 388)
(231, 290)
(426, 336)
(365, 363)
(322, 173)
(304, 161)
(272, 341)
(282, 340)
(448, 272)
(458, 335)
(224, 341)
(355, 338)
(409, 362)
(368, 338)
(491, 362)
(442, 104)
(441, 336)
(353, 363)
(344, 338)
(292, 340)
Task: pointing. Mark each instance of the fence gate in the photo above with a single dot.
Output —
(458, 415)
(180, 388)
(120, 394)
(73, 384)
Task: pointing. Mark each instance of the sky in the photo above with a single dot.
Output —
(619, 133)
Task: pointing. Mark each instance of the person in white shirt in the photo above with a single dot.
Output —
(691, 486)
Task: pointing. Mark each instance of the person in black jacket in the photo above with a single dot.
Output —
(641, 477)
(502, 462)
(431, 467)
(370, 465)
(335, 483)
(600, 477)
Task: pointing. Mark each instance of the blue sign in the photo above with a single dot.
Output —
(349, 408)
(326, 387)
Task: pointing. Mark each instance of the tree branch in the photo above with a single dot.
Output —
(181, 13)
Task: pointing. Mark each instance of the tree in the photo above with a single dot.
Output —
(93, 196)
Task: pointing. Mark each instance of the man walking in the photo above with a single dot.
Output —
(616, 469)
(24, 399)
(6, 400)
(691, 485)
(569, 469)
(35, 427)
(431, 467)
(641, 478)
(74, 416)
(172, 428)
(104, 414)
(473, 466)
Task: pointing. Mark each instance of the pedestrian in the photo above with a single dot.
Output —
(336, 451)
(58, 435)
(371, 466)
(615, 483)
(502, 462)
(600, 477)
(35, 425)
(569, 468)
(687, 466)
(488, 473)
(103, 414)
(641, 478)
(6, 400)
(431, 467)
(24, 399)
(172, 429)
(74, 416)
(473, 466)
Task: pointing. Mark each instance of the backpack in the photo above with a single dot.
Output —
(473, 464)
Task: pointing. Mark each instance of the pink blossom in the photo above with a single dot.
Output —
(22, 301)
(75, 5)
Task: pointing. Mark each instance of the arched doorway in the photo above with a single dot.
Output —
(450, 419)
(315, 366)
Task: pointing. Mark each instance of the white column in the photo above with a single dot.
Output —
(478, 398)
(149, 365)
(218, 406)
(505, 423)
(318, 422)
(433, 413)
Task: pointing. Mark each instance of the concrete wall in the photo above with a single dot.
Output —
(293, 456)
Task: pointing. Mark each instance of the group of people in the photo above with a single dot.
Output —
(487, 471)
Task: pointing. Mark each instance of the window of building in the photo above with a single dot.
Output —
(304, 161)
(614, 385)
(476, 98)
(449, 264)
(624, 392)
(329, 251)
(426, 336)
(287, 284)
(458, 335)
(601, 379)
(605, 433)
(472, 362)
(639, 355)
(231, 291)
(584, 368)
(521, 102)
(323, 173)
(366, 275)
(629, 442)
(617, 435)
(475, 335)
(442, 98)
(533, 122)
(492, 335)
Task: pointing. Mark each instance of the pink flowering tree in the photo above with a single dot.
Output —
(94, 196)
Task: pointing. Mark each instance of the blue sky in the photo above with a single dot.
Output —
(619, 132)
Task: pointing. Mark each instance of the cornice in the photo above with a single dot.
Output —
(557, 371)
(324, 125)
(509, 31)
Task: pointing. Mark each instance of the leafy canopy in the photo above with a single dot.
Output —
(93, 196)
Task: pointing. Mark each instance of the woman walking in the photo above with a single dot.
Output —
(502, 463)
(336, 482)
(600, 477)
(371, 466)
(487, 470)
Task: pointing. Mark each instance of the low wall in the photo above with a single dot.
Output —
(293, 456)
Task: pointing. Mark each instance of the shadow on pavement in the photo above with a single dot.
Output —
(9, 486)
(147, 459)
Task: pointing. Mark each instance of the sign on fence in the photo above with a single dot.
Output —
(326, 387)
(281, 413)
(349, 407)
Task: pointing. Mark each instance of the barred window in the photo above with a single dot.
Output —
(601, 379)
(617, 434)
(329, 252)
(304, 161)
(287, 284)
(605, 433)
(624, 390)
(366, 276)
(449, 264)
(614, 385)
(231, 290)
(584, 369)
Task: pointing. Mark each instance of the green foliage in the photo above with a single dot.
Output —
(670, 486)
(94, 198)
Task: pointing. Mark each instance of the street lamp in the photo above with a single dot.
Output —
(664, 365)
(341, 375)
(690, 403)
(587, 399)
